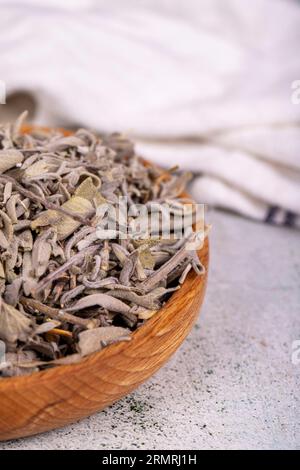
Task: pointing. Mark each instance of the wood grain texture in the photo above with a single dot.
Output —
(59, 396)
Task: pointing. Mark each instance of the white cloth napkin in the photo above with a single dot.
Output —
(209, 85)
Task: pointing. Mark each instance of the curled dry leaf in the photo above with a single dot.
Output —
(12, 292)
(20, 363)
(151, 301)
(64, 224)
(146, 314)
(14, 325)
(26, 240)
(37, 169)
(91, 341)
(147, 259)
(102, 300)
(41, 253)
(45, 327)
(7, 230)
(9, 158)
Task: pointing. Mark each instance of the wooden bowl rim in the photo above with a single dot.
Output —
(110, 350)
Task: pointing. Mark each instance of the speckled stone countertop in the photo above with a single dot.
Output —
(233, 383)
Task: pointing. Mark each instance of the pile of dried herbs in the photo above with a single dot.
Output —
(65, 292)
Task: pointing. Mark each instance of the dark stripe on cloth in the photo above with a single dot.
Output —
(271, 214)
(290, 219)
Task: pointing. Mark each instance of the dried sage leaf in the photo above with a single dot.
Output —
(14, 325)
(9, 158)
(91, 341)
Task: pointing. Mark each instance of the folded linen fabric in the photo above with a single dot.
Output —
(210, 85)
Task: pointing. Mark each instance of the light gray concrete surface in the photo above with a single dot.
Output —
(233, 383)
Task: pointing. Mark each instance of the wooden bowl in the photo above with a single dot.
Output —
(55, 397)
